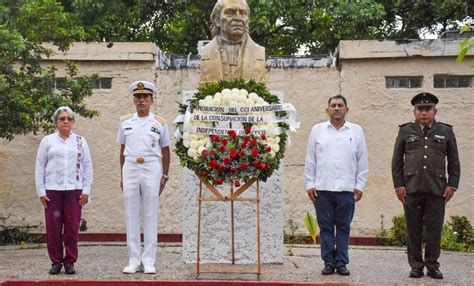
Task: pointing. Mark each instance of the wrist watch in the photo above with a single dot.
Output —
(166, 177)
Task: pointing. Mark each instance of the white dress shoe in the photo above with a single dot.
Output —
(149, 269)
(131, 269)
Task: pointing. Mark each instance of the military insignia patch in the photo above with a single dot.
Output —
(440, 136)
(156, 130)
(140, 86)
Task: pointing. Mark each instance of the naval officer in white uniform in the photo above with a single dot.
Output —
(144, 161)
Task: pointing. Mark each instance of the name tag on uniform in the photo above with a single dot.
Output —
(155, 130)
(439, 136)
(128, 128)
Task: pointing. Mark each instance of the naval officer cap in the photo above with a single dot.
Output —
(142, 87)
(424, 99)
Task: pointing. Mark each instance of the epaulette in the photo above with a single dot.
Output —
(125, 117)
(445, 124)
(161, 119)
(401, 125)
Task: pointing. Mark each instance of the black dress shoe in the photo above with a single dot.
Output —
(342, 270)
(55, 269)
(435, 273)
(69, 269)
(328, 270)
(416, 273)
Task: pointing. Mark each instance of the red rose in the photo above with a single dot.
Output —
(242, 153)
(244, 166)
(205, 153)
(237, 184)
(263, 137)
(227, 161)
(212, 164)
(233, 153)
(246, 139)
(269, 149)
(233, 170)
(256, 164)
(219, 181)
(203, 173)
(213, 153)
(224, 141)
(253, 142)
(232, 134)
(263, 166)
(254, 152)
(221, 168)
(243, 145)
(215, 138)
(247, 129)
(222, 149)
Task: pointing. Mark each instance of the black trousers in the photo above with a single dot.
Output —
(424, 210)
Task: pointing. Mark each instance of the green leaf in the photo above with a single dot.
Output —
(311, 225)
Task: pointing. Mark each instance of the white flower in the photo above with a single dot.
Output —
(208, 98)
(253, 96)
(186, 143)
(194, 144)
(208, 145)
(272, 154)
(235, 92)
(243, 92)
(275, 147)
(192, 152)
(226, 92)
(226, 100)
(218, 96)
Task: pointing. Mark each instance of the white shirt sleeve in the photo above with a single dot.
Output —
(120, 136)
(87, 170)
(310, 161)
(362, 162)
(40, 169)
(164, 136)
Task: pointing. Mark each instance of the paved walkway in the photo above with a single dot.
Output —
(369, 265)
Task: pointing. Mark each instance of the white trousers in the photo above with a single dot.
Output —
(141, 187)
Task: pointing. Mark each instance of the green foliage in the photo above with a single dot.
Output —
(17, 235)
(282, 26)
(466, 45)
(290, 237)
(311, 225)
(457, 234)
(27, 96)
(382, 235)
(398, 232)
(397, 235)
(406, 19)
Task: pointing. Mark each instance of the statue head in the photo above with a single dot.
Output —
(230, 19)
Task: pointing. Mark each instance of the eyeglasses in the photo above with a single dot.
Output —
(66, 118)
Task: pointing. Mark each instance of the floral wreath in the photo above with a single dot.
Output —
(239, 155)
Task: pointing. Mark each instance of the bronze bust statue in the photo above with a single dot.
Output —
(232, 54)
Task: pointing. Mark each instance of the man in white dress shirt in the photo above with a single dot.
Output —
(144, 161)
(336, 168)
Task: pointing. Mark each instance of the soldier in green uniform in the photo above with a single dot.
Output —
(421, 152)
